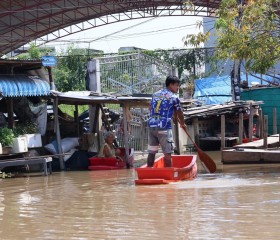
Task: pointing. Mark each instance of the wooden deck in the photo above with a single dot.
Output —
(246, 155)
(272, 141)
(253, 152)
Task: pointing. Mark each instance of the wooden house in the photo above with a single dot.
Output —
(210, 123)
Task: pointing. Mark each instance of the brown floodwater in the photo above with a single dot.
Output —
(237, 202)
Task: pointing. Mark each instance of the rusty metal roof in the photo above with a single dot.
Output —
(207, 111)
(91, 98)
(22, 21)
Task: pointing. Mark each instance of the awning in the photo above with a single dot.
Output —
(23, 86)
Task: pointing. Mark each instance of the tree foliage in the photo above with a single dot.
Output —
(34, 52)
(254, 38)
(185, 60)
(71, 70)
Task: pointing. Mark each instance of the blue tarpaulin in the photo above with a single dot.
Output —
(23, 85)
(217, 90)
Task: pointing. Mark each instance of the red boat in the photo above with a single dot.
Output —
(100, 163)
(184, 168)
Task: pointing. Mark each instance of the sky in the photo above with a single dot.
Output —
(153, 33)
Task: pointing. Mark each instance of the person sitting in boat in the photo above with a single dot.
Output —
(107, 149)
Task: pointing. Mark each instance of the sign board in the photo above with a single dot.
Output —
(49, 61)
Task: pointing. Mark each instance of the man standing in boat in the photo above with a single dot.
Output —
(164, 106)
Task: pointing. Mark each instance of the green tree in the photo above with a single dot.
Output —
(183, 59)
(70, 73)
(246, 31)
(32, 53)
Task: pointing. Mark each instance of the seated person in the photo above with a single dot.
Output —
(107, 149)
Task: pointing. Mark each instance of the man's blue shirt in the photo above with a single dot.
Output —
(162, 108)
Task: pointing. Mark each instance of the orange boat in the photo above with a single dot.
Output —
(184, 168)
(100, 163)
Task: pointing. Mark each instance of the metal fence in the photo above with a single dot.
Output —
(132, 74)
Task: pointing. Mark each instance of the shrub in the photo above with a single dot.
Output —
(6, 136)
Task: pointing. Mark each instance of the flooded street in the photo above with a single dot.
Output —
(237, 202)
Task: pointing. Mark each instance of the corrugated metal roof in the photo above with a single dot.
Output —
(23, 85)
(26, 20)
(88, 98)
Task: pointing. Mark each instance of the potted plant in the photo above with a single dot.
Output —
(29, 130)
(25, 128)
(6, 139)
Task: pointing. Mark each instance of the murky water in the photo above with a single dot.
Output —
(238, 202)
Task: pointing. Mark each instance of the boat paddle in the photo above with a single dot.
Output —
(206, 160)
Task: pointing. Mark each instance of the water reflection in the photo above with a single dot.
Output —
(238, 202)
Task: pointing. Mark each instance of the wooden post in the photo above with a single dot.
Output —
(10, 111)
(260, 123)
(274, 121)
(76, 117)
(142, 129)
(125, 131)
(250, 128)
(223, 130)
(176, 138)
(52, 86)
(241, 129)
(57, 131)
(279, 137)
(94, 84)
(196, 130)
(265, 132)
